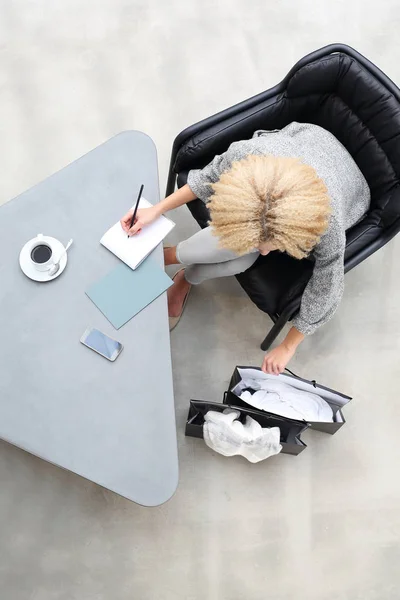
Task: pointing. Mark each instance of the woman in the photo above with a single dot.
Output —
(295, 190)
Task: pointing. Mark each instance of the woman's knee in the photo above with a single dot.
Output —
(193, 274)
(241, 264)
(196, 274)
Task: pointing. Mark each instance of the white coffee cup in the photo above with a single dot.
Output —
(41, 253)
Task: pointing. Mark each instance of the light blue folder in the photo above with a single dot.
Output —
(122, 293)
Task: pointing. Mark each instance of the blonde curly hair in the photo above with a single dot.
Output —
(270, 199)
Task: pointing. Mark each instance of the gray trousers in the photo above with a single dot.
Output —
(206, 260)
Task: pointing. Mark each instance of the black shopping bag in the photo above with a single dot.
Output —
(290, 429)
(336, 400)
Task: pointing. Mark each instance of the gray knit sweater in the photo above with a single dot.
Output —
(348, 191)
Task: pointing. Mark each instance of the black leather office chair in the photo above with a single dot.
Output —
(339, 89)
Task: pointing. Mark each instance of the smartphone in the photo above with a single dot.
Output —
(101, 343)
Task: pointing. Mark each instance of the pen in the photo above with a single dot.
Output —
(136, 207)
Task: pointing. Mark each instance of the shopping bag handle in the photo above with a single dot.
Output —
(297, 377)
(291, 373)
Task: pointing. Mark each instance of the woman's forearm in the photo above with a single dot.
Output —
(293, 338)
(178, 198)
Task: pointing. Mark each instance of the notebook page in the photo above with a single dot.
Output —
(132, 251)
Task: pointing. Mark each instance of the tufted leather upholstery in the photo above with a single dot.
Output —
(347, 95)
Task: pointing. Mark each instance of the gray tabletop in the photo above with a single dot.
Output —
(113, 423)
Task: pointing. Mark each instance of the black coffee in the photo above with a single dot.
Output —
(41, 254)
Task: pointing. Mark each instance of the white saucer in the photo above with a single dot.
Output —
(30, 270)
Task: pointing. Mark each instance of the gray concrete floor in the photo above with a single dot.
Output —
(321, 526)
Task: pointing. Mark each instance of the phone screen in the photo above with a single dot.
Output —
(101, 343)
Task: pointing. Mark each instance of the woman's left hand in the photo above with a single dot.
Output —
(275, 361)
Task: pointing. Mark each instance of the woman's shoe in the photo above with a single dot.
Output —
(173, 321)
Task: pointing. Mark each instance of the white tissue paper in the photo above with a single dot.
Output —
(226, 435)
(279, 398)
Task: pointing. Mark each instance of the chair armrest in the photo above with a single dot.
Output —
(369, 242)
(377, 228)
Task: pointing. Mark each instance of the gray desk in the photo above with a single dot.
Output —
(113, 423)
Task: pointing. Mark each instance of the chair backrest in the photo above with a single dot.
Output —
(335, 92)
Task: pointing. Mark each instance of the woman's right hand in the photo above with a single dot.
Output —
(144, 216)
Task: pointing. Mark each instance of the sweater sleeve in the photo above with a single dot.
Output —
(324, 291)
(199, 180)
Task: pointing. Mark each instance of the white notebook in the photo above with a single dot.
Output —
(132, 251)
